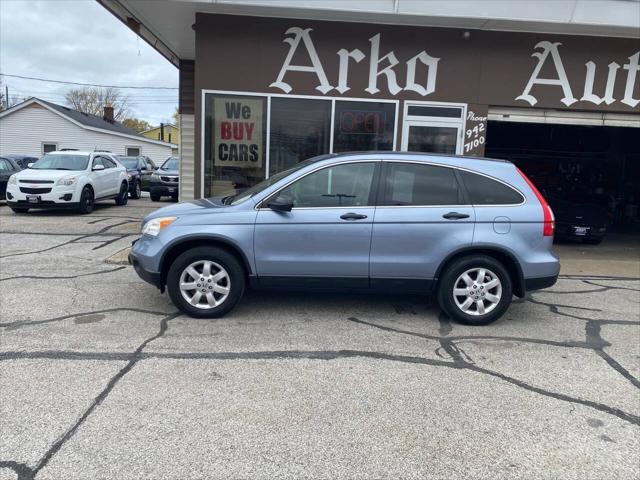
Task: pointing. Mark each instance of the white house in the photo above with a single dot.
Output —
(35, 127)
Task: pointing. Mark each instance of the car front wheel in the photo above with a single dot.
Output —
(137, 192)
(206, 282)
(86, 201)
(123, 196)
(475, 290)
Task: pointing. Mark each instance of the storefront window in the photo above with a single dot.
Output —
(300, 129)
(360, 126)
(235, 142)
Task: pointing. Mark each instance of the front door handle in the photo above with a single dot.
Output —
(455, 216)
(352, 216)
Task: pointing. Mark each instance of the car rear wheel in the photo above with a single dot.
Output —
(206, 282)
(475, 290)
(154, 197)
(137, 192)
(123, 196)
(86, 201)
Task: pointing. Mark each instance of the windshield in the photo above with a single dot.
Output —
(241, 197)
(172, 163)
(62, 162)
(129, 163)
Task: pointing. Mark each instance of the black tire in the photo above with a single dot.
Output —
(236, 277)
(448, 281)
(86, 201)
(123, 196)
(19, 210)
(137, 191)
(155, 197)
(593, 241)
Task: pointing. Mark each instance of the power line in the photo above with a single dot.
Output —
(86, 84)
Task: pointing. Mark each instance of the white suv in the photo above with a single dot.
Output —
(68, 179)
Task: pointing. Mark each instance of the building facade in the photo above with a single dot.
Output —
(558, 96)
(165, 133)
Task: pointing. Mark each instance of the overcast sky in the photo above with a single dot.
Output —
(80, 41)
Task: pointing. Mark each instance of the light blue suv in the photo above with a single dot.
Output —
(473, 231)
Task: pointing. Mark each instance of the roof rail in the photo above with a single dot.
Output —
(68, 150)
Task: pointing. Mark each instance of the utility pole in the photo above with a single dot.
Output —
(6, 97)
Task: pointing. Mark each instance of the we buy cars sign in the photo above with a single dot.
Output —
(238, 132)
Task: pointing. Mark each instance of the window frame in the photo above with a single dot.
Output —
(382, 187)
(55, 144)
(127, 147)
(373, 194)
(269, 96)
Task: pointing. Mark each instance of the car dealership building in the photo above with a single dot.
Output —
(552, 86)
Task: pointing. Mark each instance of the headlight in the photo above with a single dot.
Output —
(155, 226)
(13, 180)
(128, 177)
(155, 177)
(66, 180)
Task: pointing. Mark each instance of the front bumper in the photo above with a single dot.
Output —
(59, 196)
(146, 274)
(164, 190)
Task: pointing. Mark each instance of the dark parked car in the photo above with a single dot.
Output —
(580, 217)
(138, 170)
(23, 161)
(164, 182)
(8, 166)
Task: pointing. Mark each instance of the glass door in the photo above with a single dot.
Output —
(433, 127)
(420, 136)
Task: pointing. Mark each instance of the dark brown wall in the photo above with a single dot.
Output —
(489, 68)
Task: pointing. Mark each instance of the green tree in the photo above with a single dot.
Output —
(136, 124)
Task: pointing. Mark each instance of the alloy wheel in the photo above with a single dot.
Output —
(205, 284)
(477, 291)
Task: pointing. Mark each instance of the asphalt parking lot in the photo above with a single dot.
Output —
(102, 378)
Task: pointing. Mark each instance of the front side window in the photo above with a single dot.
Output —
(348, 185)
(486, 191)
(413, 184)
(5, 166)
(62, 162)
(108, 163)
(129, 162)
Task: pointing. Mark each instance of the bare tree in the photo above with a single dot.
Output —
(92, 100)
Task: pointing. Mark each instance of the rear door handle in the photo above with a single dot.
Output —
(455, 216)
(352, 216)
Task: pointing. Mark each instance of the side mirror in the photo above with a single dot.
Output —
(98, 167)
(29, 165)
(282, 203)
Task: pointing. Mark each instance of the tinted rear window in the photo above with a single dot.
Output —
(485, 191)
(415, 184)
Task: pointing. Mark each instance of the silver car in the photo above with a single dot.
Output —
(472, 231)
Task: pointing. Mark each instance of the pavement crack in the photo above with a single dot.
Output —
(58, 444)
(19, 324)
(61, 277)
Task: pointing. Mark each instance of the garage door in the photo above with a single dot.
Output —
(532, 115)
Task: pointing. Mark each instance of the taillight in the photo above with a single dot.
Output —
(549, 219)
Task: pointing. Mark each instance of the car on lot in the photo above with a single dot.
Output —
(8, 166)
(580, 217)
(164, 182)
(138, 170)
(472, 231)
(68, 179)
(22, 160)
